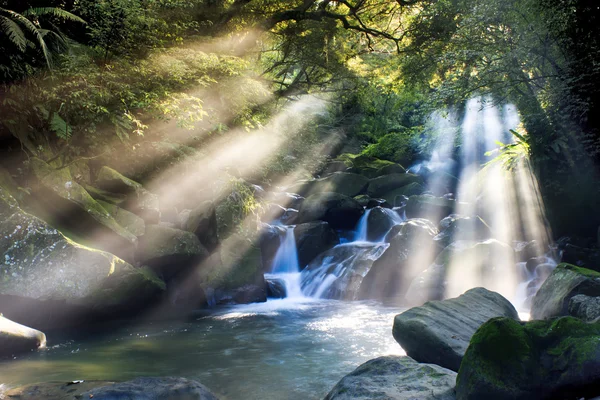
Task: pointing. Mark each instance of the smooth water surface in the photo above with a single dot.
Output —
(282, 349)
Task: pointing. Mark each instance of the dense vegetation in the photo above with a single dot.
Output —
(83, 78)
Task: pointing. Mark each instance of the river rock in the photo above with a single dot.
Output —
(411, 247)
(484, 263)
(565, 282)
(397, 378)
(552, 359)
(345, 183)
(338, 272)
(312, 239)
(439, 332)
(585, 307)
(430, 207)
(457, 227)
(381, 185)
(270, 240)
(202, 222)
(379, 222)
(139, 200)
(169, 251)
(334, 166)
(397, 196)
(152, 389)
(276, 288)
(16, 338)
(341, 212)
(41, 264)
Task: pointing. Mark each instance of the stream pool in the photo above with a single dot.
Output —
(282, 349)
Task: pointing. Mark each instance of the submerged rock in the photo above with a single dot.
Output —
(312, 239)
(554, 359)
(565, 282)
(341, 212)
(152, 389)
(397, 378)
(16, 338)
(439, 332)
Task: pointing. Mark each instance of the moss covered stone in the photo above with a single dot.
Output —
(551, 359)
(384, 184)
(60, 182)
(345, 183)
(565, 282)
(395, 197)
(128, 220)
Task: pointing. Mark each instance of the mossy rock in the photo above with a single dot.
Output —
(552, 359)
(99, 194)
(312, 239)
(430, 207)
(111, 180)
(439, 332)
(202, 221)
(398, 378)
(395, 196)
(40, 263)
(128, 220)
(565, 282)
(345, 183)
(240, 270)
(61, 183)
(341, 212)
(384, 184)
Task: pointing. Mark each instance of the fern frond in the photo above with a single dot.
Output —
(53, 11)
(14, 32)
(30, 26)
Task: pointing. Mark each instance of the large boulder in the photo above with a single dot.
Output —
(585, 307)
(457, 227)
(341, 212)
(430, 207)
(565, 282)
(270, 240)
(16, 338)
(489, 264)
(439, 332)
(40, 263)
(381, 185)
(312, 239)
(411, 249)
(139, 200)
(338, 272)
(128, 220)
(344, 183)
(152, 389)
(397, 378)
(379, 222)
(202, 222)
(553, 359)
(396, 197)
(169, 251)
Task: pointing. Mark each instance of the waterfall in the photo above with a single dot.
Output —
(362, 232)
(285, 264)
(361, 227)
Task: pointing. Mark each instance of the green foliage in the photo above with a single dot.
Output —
(399, 147)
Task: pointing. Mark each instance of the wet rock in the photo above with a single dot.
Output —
(241, 265)
(411, 247)
(169, 251)
(338, 272)
(486, 262)
(439, 332)
(565, 282)
(16, 338)
(345, 183)
(398, 378)
(341, 212)
(391, 169)
(270, 239)
(553, 359)
(242, 295)
(527, 250)
(379, 222)
(312, 239)
(585, 307)
(457, 227)
(276, 288)
(128, 220)
(54, 390)
(202, 222)
(381, 185)
(40, 263)
(334, 166)
(152, 389)
(430, 207)
(368, 202)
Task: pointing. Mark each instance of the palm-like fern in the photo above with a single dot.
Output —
(16, 26)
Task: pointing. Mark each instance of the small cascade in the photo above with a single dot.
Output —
(286, 266)
(388, 218)
(361, 227)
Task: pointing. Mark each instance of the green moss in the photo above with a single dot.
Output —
(581, 271)
(112, 178)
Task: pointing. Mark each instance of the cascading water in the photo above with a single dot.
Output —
(285, 264)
